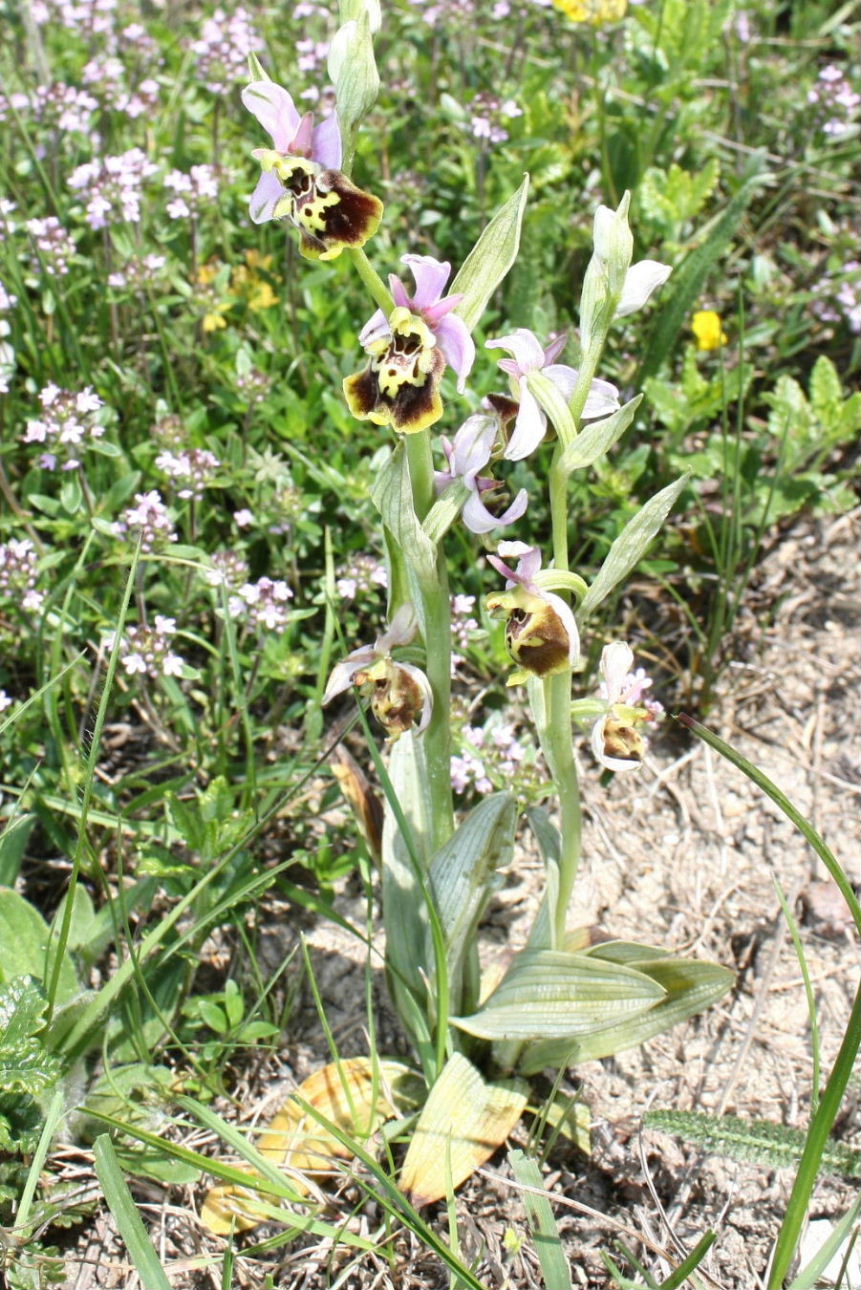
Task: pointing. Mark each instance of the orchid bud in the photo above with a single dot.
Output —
(353, 70)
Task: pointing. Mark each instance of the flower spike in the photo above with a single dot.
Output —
(302, 178)
(409, 351)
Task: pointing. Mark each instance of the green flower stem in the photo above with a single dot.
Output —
(553, 712)
(377, 289)
(435, 616)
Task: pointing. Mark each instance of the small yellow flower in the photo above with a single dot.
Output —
(706, 326)
(261, 297)
(214, 321)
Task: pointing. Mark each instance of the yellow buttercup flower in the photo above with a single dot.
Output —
(595, 12)
(707, 328)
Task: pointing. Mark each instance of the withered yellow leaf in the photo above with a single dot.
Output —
(355, 1095)
(463, 1122)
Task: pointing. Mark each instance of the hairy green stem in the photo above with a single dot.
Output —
(377, 289)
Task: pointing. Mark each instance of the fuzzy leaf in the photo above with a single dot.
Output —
(25, 1064)
(462, 872)
(490, 258)
(461, 1125)
(630, 546)
(761, 1141)
(597, 438)
(551, 994)
(392, 496)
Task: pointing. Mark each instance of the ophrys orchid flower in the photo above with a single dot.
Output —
(400, 693)
(409, 351)
(302, 179)
(618, 740)
(528, 355)
(466, 455)
(540, 629)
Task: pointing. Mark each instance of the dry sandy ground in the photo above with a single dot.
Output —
(684, 855)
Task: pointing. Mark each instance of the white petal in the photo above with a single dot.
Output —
(616, 661)
(525, 346)
(401, 630)
(641, 280)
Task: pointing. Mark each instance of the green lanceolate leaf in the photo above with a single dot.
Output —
(688, 280)
(490, 258)
(462, 1123)
(404, 910)
(462, 876)
(551, 994)
(597, 438)
(393, 498)
(630, 546)
(759, 1141)
(687, 988)
(550, 841)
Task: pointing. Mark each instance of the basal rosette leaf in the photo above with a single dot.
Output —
(688, 987)
(461, 1124)
(553, 995)
(462, 876)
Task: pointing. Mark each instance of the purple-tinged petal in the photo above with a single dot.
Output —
(602, 400)
(563, 377)
(430, 275)
(458, 346)
(526, 348)
(301, 145)
(265, 198)
(400, 295)
(472, 446)
(554, 349)
(274, 109)
(376, 328)
(328, 149)
(529, 428)
(342, 674)
(478, 519)
(528, 563)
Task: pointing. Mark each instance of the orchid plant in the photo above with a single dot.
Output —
(564, 998)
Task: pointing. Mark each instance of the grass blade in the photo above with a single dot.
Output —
(119, 1199)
